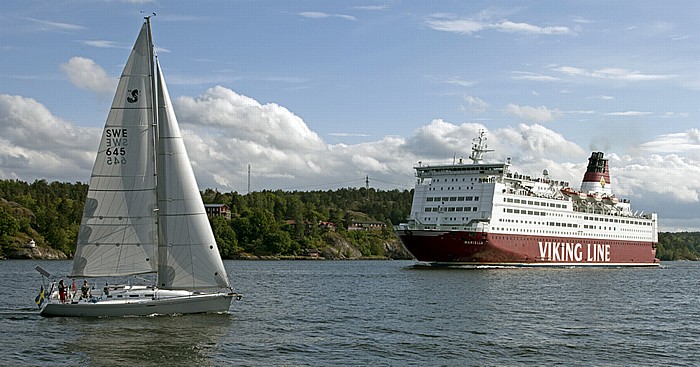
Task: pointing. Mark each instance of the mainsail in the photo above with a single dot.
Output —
(118, 231)
(188, 256)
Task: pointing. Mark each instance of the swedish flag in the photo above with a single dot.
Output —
(40, 299)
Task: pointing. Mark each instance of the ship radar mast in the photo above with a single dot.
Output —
(479, 147)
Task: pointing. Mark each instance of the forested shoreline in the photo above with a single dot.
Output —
(259, 224)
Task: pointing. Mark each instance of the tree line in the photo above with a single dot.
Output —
(267, 223)
(261, 223)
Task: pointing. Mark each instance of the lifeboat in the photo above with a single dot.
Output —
(567, 191)
(594, 197)
(610, 200)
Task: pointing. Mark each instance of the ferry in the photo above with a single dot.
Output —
(483, 215)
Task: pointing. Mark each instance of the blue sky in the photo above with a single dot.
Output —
(316, 95)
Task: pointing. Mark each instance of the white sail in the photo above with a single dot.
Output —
(118, 230)
(188, 256)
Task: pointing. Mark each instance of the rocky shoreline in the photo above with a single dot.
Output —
(341, 250)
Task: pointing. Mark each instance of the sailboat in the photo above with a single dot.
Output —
(144, 212)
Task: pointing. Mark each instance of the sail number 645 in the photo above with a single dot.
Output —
(116, 155)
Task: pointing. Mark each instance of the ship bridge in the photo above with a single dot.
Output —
(425, 173)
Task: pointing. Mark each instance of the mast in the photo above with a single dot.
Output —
(154, 124)
(154, 128)
(479, 148)
(154, 100)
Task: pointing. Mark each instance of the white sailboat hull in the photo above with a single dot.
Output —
(186, 303)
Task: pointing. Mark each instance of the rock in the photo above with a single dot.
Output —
(42, 253)
(339, 249)
(395, 250)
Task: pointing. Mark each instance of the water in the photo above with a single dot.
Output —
(350, 313)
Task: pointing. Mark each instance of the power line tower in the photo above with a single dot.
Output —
(367, 186)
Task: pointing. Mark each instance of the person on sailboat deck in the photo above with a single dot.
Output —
(85, 289)
(62, 291)
(73, 289)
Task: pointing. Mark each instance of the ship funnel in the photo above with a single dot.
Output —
(597, 176)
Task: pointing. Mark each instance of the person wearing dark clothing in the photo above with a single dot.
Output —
(85, 290)
(62, 291)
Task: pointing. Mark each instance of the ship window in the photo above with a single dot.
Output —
(510, 200)
(509, 210)
(529, 212)
(453, 198)
(529, 202)
(429, 199)
(459, 209)
(476, 198)
(469, 198)
(461, 198)
(517, 211)
(451, 209)
(445, 198)
(517, 201)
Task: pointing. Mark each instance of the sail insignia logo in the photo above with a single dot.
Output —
(134, 96)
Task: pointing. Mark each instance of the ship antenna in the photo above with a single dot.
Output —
(479, 147)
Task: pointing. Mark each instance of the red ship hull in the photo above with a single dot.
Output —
(494, 249)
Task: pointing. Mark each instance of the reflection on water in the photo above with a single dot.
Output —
(148, 341)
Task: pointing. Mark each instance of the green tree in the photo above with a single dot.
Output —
(225, 237)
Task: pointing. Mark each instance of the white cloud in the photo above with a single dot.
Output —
(535, 114)
(508, 26)
(320, 15)
(628, 113)
(536, 144)
(658, 177)
(35, 144)
(103, 44)
(668, 115)
(687, 142)
(602, 97)
(85, 74)
(461, 82)
(476, 104)
(372, 7)
(522, 75)
(462, 26)
(610, 73)
(57, 25)
(447, 23)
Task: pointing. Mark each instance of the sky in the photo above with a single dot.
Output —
(320, 95)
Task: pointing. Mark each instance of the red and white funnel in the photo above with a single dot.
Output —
(597, 177)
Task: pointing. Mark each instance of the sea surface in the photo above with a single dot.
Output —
(381, 313)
